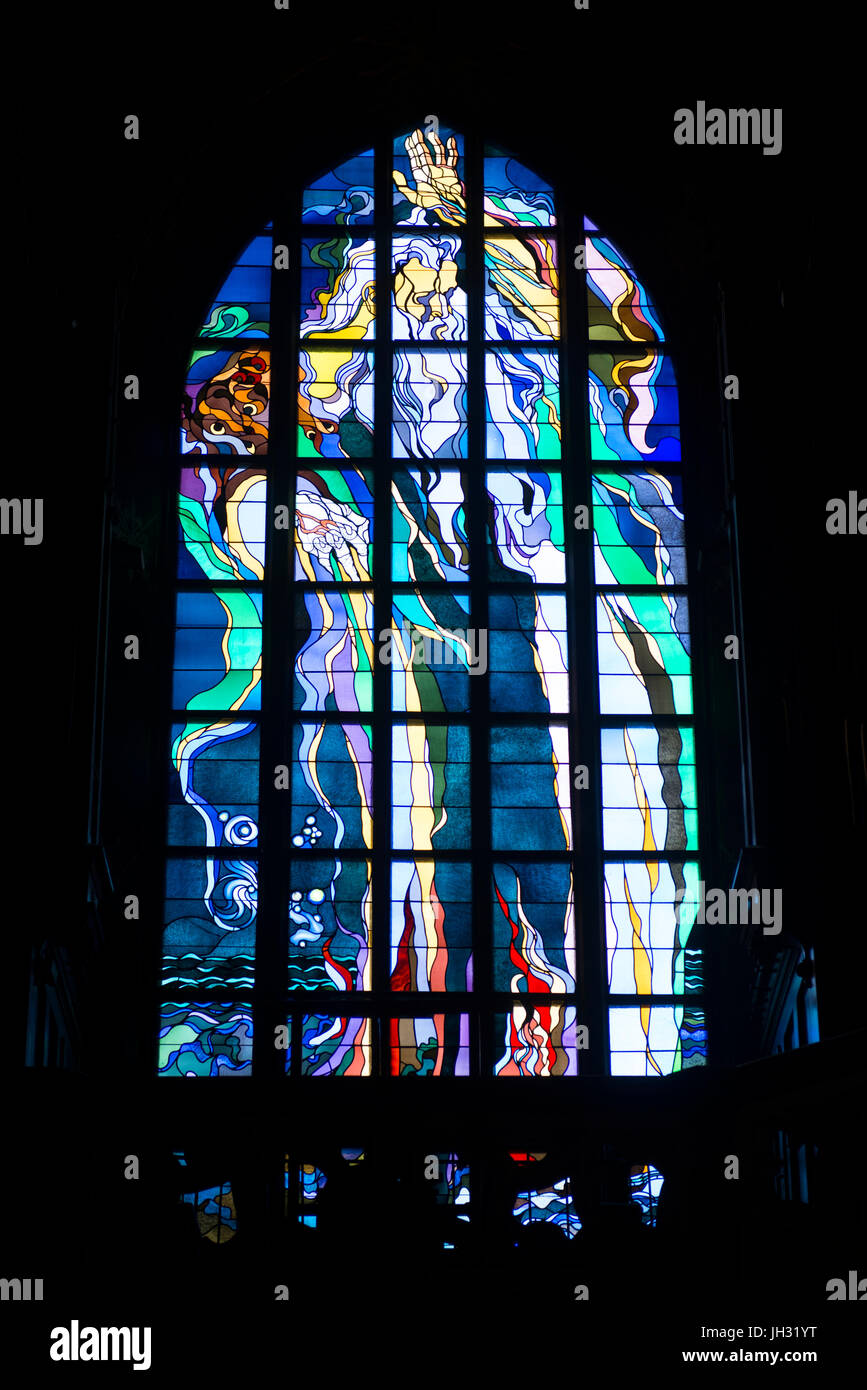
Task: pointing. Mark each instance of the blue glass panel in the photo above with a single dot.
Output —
(330, 914)
(638, 531)
(205, 1039)
(343, 195)
(533, 927)
(530, 787)
(429, 405)
(214, 786)
(633, 407)
(222, 523)
(431, 656)
(209, 939)
(333, 1046)
(332, 786)
(218, 650)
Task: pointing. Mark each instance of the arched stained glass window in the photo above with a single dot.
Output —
(432, 721)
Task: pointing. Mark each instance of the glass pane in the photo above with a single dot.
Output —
(633, 407)
(205, 1039)
(650, 909)
(344, 195)
(333, 525)
(522, 288)
(209, 937)
(333, 1046)
(334, 651)
(438, 1046)
(429, 296)
(431, 660)
(514, 195)
(657, 1040)
(429, 189)
(214, 785)
(241, 308)
(338, 297)
(430, 779)
(638, 532)
(530, 787)
(552, 1205)
(225, 409)
(527, 514)
(222, 524)
(429, 405)
(648, 789)
(533, 927)
(431, 925)
(330, 913)
(429, 526)
(522, 408)
(335, 404)
(218, 650)
(644, 661)
(539, 1040)
(332, 786)
(528, 655)
(617, 304)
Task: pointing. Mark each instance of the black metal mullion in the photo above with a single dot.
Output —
(583, 658)
(476, 507)
(572, 493)
(382, 596)
(271, 942)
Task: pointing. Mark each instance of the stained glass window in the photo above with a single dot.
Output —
(379, 702)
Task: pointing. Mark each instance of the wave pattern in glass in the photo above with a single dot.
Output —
(205, 1039)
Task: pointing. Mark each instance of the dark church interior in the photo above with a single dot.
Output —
(104, 1162)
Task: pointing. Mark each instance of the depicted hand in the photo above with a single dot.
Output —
(437, 186)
